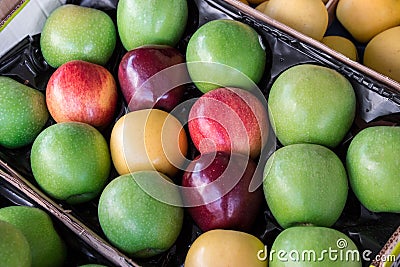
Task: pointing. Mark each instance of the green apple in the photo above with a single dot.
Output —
(14, 248)
(312, 246)
(311, 104)
(74, 32)
(160, 22)
(47, 247)
(373, 167)
(225, 53)
(135, 221)
(23, 113)
(305, 184)
(71, 161)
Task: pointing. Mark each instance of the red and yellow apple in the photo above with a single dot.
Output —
(82, 91)
(230, 120)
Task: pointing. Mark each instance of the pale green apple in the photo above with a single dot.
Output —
(305, 184)
(73, 32)
(23, 113)
(47, 247)
(71, 161)
(160, 22)
(225, 53)
(311, 104)
(373, 161)
(14, 248)
(136, 222)
(310, 246)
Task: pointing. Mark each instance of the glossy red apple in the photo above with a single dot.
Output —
(229, 119)
(218, 195)
(82, 91)
(152, 76)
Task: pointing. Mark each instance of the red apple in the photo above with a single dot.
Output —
(82, 91)
(147, 79)
(229, 119)
(218, 195)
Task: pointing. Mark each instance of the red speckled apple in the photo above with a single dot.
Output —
(147, 81)
(82, 91)
(229, 119)
(225, 178)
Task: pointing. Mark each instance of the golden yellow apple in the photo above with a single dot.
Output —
(309, 17)
(341, 45)
(382, 53)
(148, 139)
(255, 2)
(221, 248)
(261, 7)
(366, 18)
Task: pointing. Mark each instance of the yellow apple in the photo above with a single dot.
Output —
(309, 17)
(366, 18)
(261, 7)
(221, 248)
(255, 2)
(341, 45)
(382, 53)
(148, 139)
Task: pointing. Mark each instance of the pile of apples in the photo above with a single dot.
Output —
(141, 210)
(378, 31)
(211, 156)
(372, 25)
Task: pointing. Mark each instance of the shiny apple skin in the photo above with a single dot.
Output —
(221, 248)
(83, 92)
(163, 91)
(148, 139)
(229, 119)
(234, 209)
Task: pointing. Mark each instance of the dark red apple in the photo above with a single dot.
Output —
(83, 92)
(152, 76)
(215, 190)
(229, 119)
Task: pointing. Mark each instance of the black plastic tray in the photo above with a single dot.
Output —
(377, 104)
